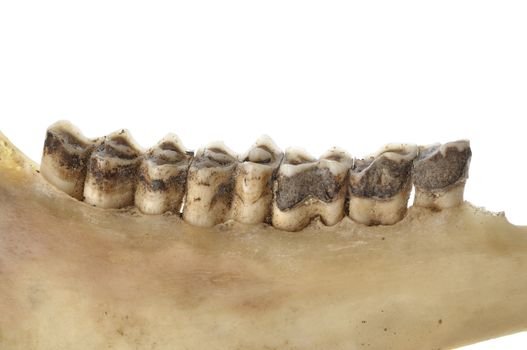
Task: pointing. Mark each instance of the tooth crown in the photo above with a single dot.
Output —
(253, 187)
(112, 170)
(162, 177)
(306, 188)
(65, 158)
(380, 185)
(439, 174)
(210, 186)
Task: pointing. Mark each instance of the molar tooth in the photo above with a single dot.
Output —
(210, 183)
(440, 173)
(306, 188)
(380, 185)
(65, 158)
(112, 169)
(162, 177)
(253, 188)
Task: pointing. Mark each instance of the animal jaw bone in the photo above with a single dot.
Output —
(117, 278)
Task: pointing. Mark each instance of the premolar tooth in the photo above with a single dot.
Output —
(210, 184)
(112, 170)
(306, 188)
(65, 158)
(380, 185)
(162, 177)
(253, 188)
(440, 173)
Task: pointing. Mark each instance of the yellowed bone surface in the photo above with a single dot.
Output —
(77, 277)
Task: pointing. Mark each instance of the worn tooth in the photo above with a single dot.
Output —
(439, 174)
(112, 170)
(65, 158)
(163, 177)
(306, 188)
(380, 185)
(210, 183)
(253, 187)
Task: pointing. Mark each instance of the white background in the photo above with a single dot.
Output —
(308, 73)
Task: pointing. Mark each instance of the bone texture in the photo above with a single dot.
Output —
(112, 172)
(253, 187)
(163, 177)
(306, 188)
(439, 174)
(210, 184)
(65, 158)
(381, 184)
(260, 186)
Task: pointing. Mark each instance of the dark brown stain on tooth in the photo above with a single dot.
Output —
(224, 193)
(315, 182)
(68, 150)
(380, 177)
(434, 170)
(107, 177)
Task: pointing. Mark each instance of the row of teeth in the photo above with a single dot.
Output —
(263, 185)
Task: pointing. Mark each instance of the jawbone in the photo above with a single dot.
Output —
(73, 276)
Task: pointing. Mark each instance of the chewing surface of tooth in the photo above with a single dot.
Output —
(253, 186)
(112, 171)
(439, 174)
(210, 184)
(65, 158)
(110, 280)
(162, 177)
(306, 188)
(381, 184)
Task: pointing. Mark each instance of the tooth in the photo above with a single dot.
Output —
(65, 157)
(162, 177)
(380, 185)
(253, 187)
(440, 173)
(112, 170)
(306, 188)
(210, 183)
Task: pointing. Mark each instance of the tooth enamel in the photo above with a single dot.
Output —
(253, 188)
(306, 188)
(162, 177)
(112, 170)
(380, 185)
(210, 183)
(65, 158)
(439, 174)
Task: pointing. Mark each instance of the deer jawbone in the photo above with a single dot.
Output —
(77, 277)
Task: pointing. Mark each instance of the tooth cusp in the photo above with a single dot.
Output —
(112, 170)
(306, 188)
(162, 177)
(379, 186)
(439, 174)
(210, 184)
(253, 185)
(65, 158)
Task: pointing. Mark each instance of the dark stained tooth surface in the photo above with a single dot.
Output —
(210, 185)
(439, 174)
(253, 187)
(112, 172)
(306, 188)
(65, 158)
(162, 177)
(379, 186)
